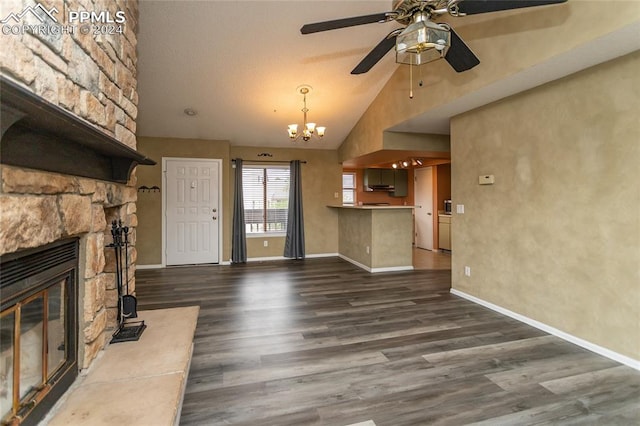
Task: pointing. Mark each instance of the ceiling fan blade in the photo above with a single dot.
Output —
(375, 55)
(472, 7)
(459, 56)
(343, 23)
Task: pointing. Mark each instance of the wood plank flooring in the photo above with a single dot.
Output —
(321, 342)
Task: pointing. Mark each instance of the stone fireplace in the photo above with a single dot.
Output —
(69, 107)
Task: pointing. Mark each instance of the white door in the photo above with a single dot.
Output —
(192, 211)
(423, 193)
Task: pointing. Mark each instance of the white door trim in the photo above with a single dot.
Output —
(418, 189)
(164, 203)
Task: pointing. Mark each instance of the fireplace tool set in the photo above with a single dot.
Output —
(127, 303)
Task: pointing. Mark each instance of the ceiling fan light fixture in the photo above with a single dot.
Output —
(422, 41)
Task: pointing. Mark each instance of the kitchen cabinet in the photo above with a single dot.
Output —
(444, 231)
(401, 183)
(397, 181)
(378, 177)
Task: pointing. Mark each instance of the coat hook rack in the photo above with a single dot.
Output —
(144, 188)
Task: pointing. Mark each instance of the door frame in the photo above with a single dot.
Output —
(164, 203)
(434, 210)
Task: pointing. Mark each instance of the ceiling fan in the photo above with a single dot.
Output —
(424, 40)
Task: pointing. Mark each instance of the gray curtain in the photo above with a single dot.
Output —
(294, 243)
(239, 233)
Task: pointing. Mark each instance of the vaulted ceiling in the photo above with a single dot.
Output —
(239, 64)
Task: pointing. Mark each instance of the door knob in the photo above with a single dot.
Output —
(429, 213)
(214, 210)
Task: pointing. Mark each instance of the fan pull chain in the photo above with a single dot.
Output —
(411, 78)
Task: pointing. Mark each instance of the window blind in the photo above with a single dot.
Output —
(266, 198)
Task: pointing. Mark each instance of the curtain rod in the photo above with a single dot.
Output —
(268, 161)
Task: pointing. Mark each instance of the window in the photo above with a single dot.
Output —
(348, 188)
(266, 198)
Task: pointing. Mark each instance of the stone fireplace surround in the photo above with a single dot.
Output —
(41, 207)
(92, 78)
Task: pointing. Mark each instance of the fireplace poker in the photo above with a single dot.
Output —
(129, 302)
(115, 233)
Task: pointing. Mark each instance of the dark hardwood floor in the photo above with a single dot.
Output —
(321, 342)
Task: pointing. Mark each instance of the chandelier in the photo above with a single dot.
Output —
(308, 129)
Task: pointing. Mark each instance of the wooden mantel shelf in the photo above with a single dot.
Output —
(37, 134)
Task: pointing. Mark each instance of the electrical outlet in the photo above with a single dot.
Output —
(266, 243)
(368, 250)
(336, 195)
(467, 271)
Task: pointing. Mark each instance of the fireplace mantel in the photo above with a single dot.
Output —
(37, 134)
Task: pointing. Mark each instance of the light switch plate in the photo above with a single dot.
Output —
(460, 208)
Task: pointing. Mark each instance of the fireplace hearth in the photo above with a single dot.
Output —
(38, 329)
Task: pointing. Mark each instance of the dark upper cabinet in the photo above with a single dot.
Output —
(401, 183)
(392, 180)
(378, 178)
(387, 177)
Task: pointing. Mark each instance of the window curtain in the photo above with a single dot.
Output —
(294, 243)
(239, 232)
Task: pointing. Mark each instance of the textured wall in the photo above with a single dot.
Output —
(557, 237)
(321, 178)
(392, 236)
(355, 234)
(150, 203)
(387, 232)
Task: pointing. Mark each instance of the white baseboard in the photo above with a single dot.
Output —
(322, 255)
(308, 256)
(375, 270)
(623, 359)
(251, 259)
(158, 266)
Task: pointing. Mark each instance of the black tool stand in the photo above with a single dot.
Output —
(127, 331)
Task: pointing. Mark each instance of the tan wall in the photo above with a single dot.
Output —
(392, 236)
(557, 237)
(321, 179)
(149, 230)
(355, 235)
(506, 44)
(387, 233)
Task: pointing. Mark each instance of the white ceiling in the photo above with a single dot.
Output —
(239, 63)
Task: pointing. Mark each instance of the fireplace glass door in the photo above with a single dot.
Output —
(37, 340)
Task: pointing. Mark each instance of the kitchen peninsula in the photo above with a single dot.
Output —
(376, 238)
